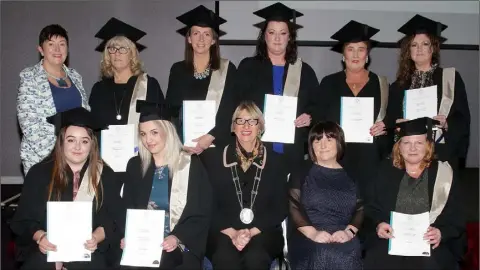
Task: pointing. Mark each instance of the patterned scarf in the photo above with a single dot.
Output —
(246, 158)
(423, 78)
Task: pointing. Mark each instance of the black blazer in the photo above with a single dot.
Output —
(271, 204)
(192, 228)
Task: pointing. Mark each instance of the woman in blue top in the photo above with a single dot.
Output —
(45, 89)
(277, 70)
(164, 177)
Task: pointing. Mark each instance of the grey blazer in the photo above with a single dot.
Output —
(34, 104)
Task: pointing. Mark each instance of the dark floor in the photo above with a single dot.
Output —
(469, 184)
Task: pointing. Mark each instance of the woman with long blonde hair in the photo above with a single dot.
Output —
(73, 172)
(164, 177)
(123, 82)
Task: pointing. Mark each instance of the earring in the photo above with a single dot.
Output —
(366, 60)
(343, 58)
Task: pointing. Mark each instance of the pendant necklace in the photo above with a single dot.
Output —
(119, 108)
(61, 81)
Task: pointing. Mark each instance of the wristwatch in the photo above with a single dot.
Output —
(352, 231)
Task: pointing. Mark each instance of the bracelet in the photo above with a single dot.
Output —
(41, 237)
(352, 231)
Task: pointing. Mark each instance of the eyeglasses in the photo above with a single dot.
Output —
(121, 50)
(241, 121)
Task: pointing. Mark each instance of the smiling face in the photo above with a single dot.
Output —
(325, 149)
(413, 148)
(77, 144)
(421, 49)
(355, 55)
(201, 39)
(277, 37)
(246, 128)
(54, 50)
(153, 137)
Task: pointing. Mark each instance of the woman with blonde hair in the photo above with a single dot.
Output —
(249, 184)
(124, 81)
(73, 172)
(413, 182)
(164, 177)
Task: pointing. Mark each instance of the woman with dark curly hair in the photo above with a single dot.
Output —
(419, 67)
(276, 69)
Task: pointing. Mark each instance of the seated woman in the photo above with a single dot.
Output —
(73, 172)
(414, 182)
(164, 177)
(250, 196)
(324, 206)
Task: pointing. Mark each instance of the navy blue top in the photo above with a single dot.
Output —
(278, 72)
(66, 98)
(159, 195)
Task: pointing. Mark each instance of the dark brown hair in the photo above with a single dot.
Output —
(291, 53)
(331, 130)
(59, 180)
(52, 30)
(406, 66)
(214, 51)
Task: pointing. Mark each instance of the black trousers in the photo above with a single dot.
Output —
(38, 261)
(174, 260)
(258, 254)
(377, 258)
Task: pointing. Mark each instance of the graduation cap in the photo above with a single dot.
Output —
(417, 126)
(353, 31)
(278, 12)
(79, 117)
(114, 27)
(203, 17)
(423, 25)
(155, 111)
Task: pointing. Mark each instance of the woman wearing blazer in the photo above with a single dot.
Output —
(45, 89)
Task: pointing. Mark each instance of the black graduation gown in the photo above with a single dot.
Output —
(183, 86)
(271, 204)
(458, 134)
(255, 79)
(192, 228)
(451, 222)
(31, 216)
(102, 102)
(360, 159)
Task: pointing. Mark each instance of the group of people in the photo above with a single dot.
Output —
(227, 202)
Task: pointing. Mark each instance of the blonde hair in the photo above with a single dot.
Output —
(251, 108)
(136, 65)
(399, 162)
(172, 151)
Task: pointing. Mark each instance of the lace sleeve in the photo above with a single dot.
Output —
(357, 218)
(297, 211)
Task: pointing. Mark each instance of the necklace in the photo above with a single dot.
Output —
(61, 81)
(119, 108)
(201, 75)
